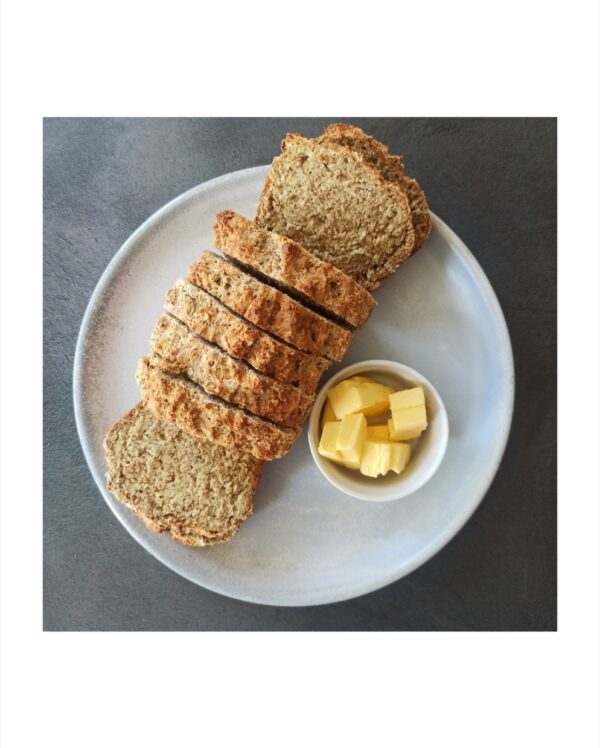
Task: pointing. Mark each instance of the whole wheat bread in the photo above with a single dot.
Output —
(212, 320)
(197, 490)
(183, 352)
(174, 399)
(292, 268)
(391, 167)
(338, 206)
(269, 308)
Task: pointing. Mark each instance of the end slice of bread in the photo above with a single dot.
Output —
(208, 317)
(197, 490)
(183, 352)
(391, 167)
(269, 308)
(174, 399)
(334, 203)
(292, 268)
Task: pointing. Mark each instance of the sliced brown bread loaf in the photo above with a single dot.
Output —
(391, 167)
(269, 308)
(292, 268)
(330, 200)
(174, 399)
(197, 490)
(213, 321)
(183, 352)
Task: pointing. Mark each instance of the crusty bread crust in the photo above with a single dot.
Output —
(269, 308)
(207, 317)
(347, 213)
(298, 271)
(373, 151)
(139, 451)
(392, 169)
(183, 352)
(176, 400)
(419, 209)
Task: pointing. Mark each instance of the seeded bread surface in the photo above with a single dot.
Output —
(197, 490)
(292, 267)
(212, 320)
(174, 399)
(269, 308)
(391, 167)
(183, 352)
(329, 199)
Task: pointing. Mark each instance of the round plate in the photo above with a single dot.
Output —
(307, 543)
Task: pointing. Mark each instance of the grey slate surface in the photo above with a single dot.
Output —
(494, 182)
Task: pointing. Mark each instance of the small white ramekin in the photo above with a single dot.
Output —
(427, 451)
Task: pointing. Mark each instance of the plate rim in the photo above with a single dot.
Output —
(399, 570)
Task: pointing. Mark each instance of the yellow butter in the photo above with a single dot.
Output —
(409, 420)
(327, 415)
(398, 436)
(407, 398)
(379, 395)
(397, 457)
(352, 463)
(358, 397)
(369, 463)
(327, 445)
(378, 433)
(379, 458)
(352, 433)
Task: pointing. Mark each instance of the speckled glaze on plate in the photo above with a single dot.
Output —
(306, 543)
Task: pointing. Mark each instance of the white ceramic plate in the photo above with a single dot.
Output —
(307, 543)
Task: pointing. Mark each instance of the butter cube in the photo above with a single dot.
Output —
(352, 433)
(398, 436)
(327, 415)
(401, 436)
(396, 458)
(327, 445)
(379, 395)
(352, 463)
(407, 421)
(407, 398)
(379, 458)
(369, 463)
(359, 397)
(378, 433)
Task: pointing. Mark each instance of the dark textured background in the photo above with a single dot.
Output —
(494, 182)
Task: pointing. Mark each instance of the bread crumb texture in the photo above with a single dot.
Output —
(391, 168)
(329, 199)
(197, 490)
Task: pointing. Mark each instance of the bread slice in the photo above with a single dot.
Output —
(183, 352)
(174, 399)
(293, 269)
(197, 490)
(269, 308)
(372, 151)
(391, 167)
(207, 317)
(330, 200)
